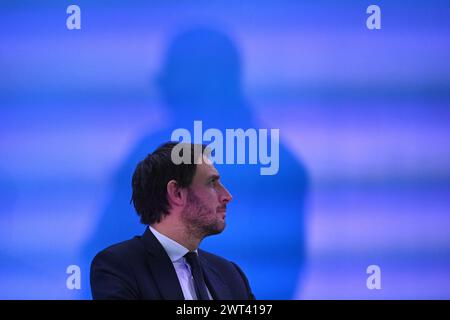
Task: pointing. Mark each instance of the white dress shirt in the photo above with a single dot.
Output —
(176, 253)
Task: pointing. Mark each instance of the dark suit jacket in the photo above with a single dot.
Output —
(141, 269)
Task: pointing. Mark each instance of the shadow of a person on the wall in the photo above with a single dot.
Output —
(201, 80)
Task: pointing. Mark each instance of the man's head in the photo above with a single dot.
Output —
(187, 194)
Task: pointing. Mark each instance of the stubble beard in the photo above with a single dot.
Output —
(201, 221)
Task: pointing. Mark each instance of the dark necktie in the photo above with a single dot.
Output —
(197, 273)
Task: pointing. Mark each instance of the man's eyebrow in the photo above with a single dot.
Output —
(213, 176)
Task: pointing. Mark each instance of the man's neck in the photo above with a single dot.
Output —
(179, 234)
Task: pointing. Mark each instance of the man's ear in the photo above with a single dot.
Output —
(175, 194)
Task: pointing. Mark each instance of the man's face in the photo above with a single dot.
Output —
(204, 213)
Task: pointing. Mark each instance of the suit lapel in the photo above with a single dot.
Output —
(217, 287)
(162, 269)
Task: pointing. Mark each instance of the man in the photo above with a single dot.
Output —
(181, 204)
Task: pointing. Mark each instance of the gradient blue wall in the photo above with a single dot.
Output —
(366, 114)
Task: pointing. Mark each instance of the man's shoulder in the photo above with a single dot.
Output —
(128, 249)
(212, 257)
(217, 261)
(228, 270)
(115, 272)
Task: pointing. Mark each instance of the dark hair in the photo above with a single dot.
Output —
(150, 180)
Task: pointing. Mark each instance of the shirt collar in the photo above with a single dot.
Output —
(174, 250)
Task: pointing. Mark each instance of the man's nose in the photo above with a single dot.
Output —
(226, 195)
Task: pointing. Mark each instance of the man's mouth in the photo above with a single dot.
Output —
(223, 211)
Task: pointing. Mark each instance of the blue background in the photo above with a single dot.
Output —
(364, 119)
